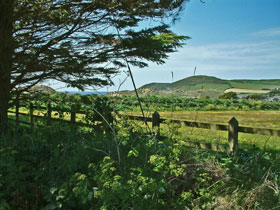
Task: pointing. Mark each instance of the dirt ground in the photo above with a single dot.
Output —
(237, 90)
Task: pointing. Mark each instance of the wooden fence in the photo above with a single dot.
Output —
(232, 127)
(48, 115)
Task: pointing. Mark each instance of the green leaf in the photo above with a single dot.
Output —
(133, 152)
(90, 195)
(53, 190)
(162, 190)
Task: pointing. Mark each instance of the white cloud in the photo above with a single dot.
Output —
(227, 56)
(268, 32)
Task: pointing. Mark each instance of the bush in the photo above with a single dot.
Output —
(64, 167)
(255, 97)
(275, 92)
(229, 95)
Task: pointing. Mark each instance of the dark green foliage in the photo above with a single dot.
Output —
(61, 101)
(275, 92)
(100, 110)
(152, 103)
(68, 167)
(255, 97)
(6, 52)
(64, 167)
(228, 95)
(86, 37)
(80, 43)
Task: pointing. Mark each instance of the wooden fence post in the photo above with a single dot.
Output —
(233, 136)
(156, 122)
(17, 112)
(31, 115)
(49, 116)
(73, 115)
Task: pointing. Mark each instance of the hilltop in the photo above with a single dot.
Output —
(194, 82)
(42, 89)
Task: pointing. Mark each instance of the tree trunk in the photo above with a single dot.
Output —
(6, 51)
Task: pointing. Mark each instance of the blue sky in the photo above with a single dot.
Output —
(230, 39)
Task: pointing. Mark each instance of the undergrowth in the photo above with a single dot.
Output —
(66, 167)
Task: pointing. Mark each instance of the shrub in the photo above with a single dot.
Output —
(229, 95)
(255, 97)
(274, 92)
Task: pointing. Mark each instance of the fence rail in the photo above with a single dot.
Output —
(47, 116)
(212, 126)
(232, 127)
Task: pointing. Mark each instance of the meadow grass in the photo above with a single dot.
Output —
(221, 137)
(263, 119)
(66, 115)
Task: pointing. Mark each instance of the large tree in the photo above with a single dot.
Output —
(80, 42)
(6, 53)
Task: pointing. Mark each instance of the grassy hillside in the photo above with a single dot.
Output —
(206, 86)
(255, 84)
(199, 80)
(213, 83)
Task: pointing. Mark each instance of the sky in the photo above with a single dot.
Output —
(230, 39)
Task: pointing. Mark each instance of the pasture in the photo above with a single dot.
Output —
(258, 119)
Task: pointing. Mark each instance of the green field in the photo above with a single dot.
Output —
(207, 86)
(255, 84)
(262, 119)
(267, 119)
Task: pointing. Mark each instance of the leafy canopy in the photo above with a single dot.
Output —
(85, 42)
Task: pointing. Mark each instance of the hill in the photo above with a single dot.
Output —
(193, 81)
(198, 86)
(201, 85)
(41, 89)
(207, 82)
